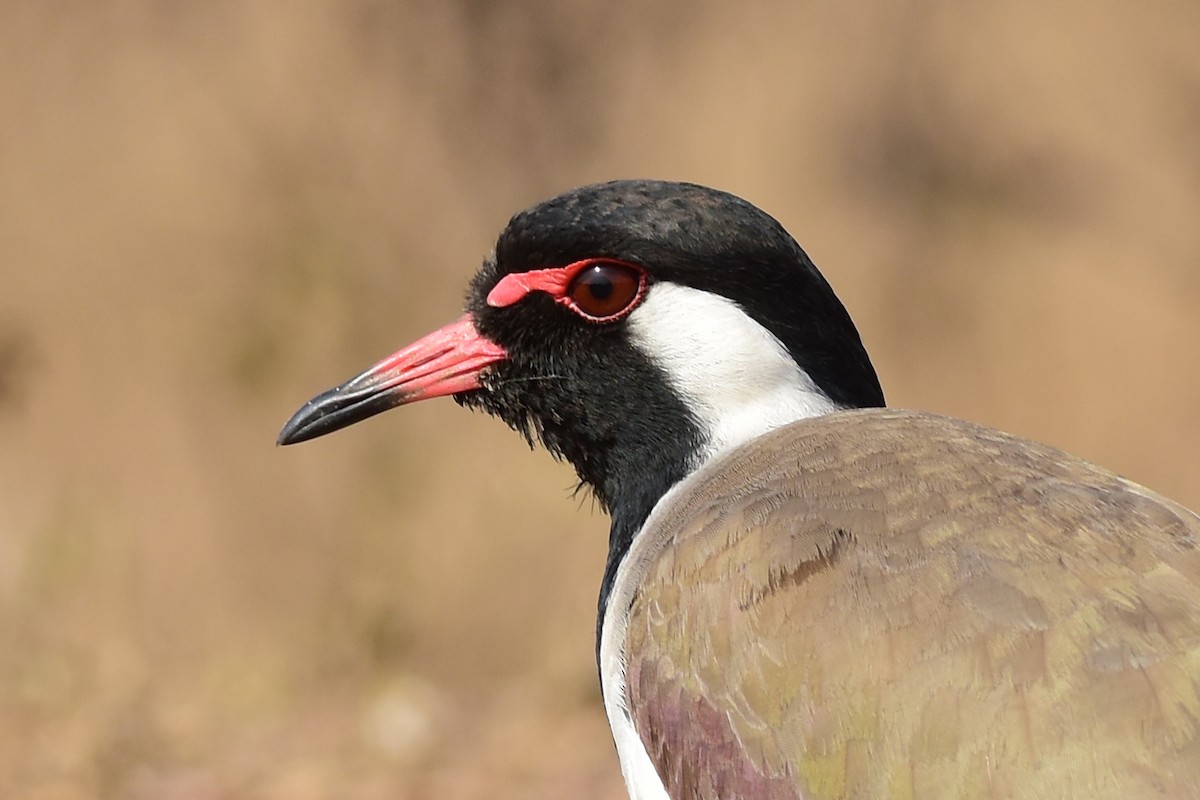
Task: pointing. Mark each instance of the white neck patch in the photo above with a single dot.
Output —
(738, 379)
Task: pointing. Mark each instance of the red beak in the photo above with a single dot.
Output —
(447, 361)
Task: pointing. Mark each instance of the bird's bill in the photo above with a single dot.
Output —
(447, 361)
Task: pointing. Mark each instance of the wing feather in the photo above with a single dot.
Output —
(888, 604)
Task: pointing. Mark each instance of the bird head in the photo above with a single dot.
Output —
(636, 329)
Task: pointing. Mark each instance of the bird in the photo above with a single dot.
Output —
(808, 593)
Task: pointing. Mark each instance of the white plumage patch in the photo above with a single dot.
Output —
(735, 376)
(641, 779)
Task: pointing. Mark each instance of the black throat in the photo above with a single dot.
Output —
(616, 419)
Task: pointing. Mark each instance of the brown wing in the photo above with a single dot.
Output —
(886, 604)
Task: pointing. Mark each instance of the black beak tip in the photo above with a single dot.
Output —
(301, 427)
(339, 407)
(325, 413)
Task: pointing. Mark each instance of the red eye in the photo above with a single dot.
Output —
(605, 291)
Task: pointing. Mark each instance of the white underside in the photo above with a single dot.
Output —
(641, 778)
(739, 382)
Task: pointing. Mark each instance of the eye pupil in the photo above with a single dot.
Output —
(600, 287)
(605, 291)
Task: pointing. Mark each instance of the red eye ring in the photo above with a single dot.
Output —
(603, 290)
(598, 290)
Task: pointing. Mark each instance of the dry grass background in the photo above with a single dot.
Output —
(209, 211)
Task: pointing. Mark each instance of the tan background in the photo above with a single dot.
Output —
(209, 211)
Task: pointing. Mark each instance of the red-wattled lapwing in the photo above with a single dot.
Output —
(808, 595)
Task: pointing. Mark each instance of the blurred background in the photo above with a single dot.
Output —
(210, 211)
